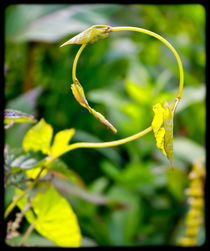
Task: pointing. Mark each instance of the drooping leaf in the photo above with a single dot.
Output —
(168, 138)
(38, 138)
(162, 126)
(17, 117)
(79, 94)
(91, 35)
(80, 97)
(103, 120)
(55, 218)
(157, 126)
(60, 142)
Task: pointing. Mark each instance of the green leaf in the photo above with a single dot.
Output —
(34, 240)
(55, 219)
(91, 35)
(60, 167)
(17, 116)
(162, 126)
(38, 138)
(17, 160)
(60, 142)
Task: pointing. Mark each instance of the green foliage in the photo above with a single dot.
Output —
(122, 195)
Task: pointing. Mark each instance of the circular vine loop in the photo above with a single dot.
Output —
(91, 35)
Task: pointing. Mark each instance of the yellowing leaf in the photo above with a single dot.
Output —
(60, 142)
(38, 138)
(80, 97)
(91, 35)
(157, 126)
(55, 218)
(79, 93)
(162, 126)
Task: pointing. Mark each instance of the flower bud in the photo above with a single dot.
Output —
(91, 35)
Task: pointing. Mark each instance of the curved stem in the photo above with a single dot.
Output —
(181, 83)
(108, 144)
(76, 60)
(142, 133)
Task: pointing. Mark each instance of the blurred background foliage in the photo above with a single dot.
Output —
(123, 77)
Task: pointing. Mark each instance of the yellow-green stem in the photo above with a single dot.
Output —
(117, 142)
(76, 60)
(140, 134)
(108, 144)
(181, 83)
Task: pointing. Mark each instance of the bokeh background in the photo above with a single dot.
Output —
(123, 77)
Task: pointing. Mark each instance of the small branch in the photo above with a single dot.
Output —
(9, 125)
(140, 134)
(27, 233)
(18, 198)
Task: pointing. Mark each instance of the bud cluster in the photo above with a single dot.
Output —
(195, 215)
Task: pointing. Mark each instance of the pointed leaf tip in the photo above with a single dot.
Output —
(103, 120)
(91, 35)
(79, 95)
(61, 142)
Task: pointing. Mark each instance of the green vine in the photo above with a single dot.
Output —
(162, 124)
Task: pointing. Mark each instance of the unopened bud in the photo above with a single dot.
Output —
(91, 35)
